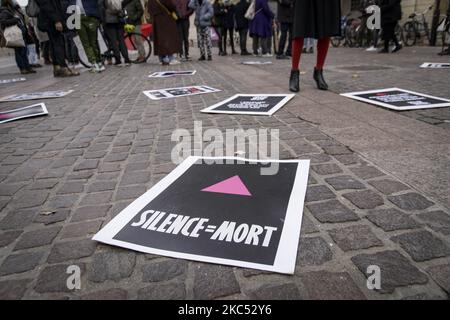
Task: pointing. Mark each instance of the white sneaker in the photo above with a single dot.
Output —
(267, 55)
(101, 67)
(174, 62)
(371, 49)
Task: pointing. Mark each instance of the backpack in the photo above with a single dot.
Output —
(114, 5)
(32, 9)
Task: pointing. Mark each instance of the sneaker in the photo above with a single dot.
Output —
(267, 55)
(397, 48)
(202, 58)
(174, 62)
(101, 67)
(371, 49)
(127, 63)
(282, 57)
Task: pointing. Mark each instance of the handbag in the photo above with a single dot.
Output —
(250, 14)
(172, 14)
(13, 37)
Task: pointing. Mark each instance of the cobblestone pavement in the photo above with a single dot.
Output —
(64, 176)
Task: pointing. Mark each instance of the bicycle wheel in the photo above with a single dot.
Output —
(138, 46)
(409, 34)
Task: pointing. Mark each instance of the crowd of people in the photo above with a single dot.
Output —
(45, 30)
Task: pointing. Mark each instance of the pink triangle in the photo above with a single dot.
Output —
(233, 185)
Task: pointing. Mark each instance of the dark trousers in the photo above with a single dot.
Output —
(115, 34)
(226, 31)
(389, 34)
(58, 49)
(285, 28)
(261, 42)
(219, 34)
(183, 30)
(45, 50)
(22, 58)
(243, 39)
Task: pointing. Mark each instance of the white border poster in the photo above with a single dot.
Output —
(251, 104)
(35, 95)
(7, 81)
(34, 110)
(398, 99)
(185, 224)
(256, 63)
(169, 74)
(178, 92)
(435, 65)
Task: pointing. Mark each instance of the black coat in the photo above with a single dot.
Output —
(51, 12)
(391, 11)
(317, 18)
(134, 11)
(285, 11)
(239, 14)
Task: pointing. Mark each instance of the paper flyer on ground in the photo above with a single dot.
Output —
(168, 74)
(251, 104)
(256, 63)
(435, 65)
(25, 112)
(178, 92)
(225, 212)
(35, 95)
(398, 99)
(13, 80)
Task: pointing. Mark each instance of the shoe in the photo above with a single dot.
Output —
(174, 62)
(444, 53)
(267, 55)
(383, 51)
(202, 58)
(117, 63)
(311, 50)
(127, 63)
(320, 81)
(245, 53)
(27, 71)
(282, 57)
(209, 58)
(233, 52)
(304, 50)
(140, 59)
(397, 48)
(73, 72)
(62, 72)
(371, 49)
(294, 81)
(101, 67)
(36, 65)
(288, 54)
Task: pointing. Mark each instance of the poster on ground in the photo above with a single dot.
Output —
(13, 80)
(168, 74)
(178, 92)
(398, 99)
(433, 65)
(251, 104)
(35, 95)
(225, 212)
(25, 112)
(256, 63)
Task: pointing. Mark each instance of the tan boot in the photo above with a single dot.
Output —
(74, 72)
(62, 72)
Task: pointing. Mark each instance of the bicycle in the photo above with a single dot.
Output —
(416, 27)
(132, 42)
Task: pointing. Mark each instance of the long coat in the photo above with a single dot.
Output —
(239, 14)
(391, 11)
(317, 18)
(261, 25)
(165, 33)
(285, 11)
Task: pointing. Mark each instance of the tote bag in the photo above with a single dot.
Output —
(13, 37)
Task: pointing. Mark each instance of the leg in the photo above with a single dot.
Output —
(21, 59)
(224, 40)
(185, 27)
(289, 48)
(112, 40)
(83, 33)
(122, 45)
(139, 42)
(297, 45)
(201, 42)
(255, 45)
(265, 45)
(283, 37)
(208, 42)
(322, 50)
(58, 48)
(219, 33)
(231, 31)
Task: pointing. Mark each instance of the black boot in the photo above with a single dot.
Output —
(294, 81)
(320, 81)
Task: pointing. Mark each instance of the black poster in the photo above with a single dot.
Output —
(228, 213)
(252, 104)
(398, 99)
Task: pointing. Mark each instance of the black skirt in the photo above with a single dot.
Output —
(317, 18)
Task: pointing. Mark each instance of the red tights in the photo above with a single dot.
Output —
(322, 50)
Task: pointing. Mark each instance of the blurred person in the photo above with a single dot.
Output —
(52, 19)
(12, 15)
(242, 25)
(261, 28)
(165, 32)
(285, 16)
(308, 46)
(228, 26)
(219, 14)
(183, 25)
(134, 13)
(113, 20)
(318, 19)
(391, 13)
(204, 12)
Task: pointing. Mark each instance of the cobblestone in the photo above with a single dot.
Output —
(355, 238)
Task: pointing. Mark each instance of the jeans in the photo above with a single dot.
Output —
(183, 30)
(115, 34)
(22, 58)
(243, 39)
(285, 28)
(58, 49)
(88, 37)
(32, 54)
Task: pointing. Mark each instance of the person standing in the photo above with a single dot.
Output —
(52, 19)
(219, 14)
(391, 13)
(285, 18)
(165, 32)
(134, 12)
(204, 12)
(11, 15)
(228, 26)
(112, 16)
(183, 25)
(89, 23)
(242, 24)
(261, 28)
(318, 19)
